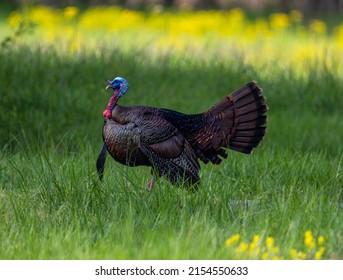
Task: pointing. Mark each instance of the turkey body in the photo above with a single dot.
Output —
(143, 136)
(173, 142)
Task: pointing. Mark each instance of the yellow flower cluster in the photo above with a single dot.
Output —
(281, 37)
(318, 26)
(267, 250)
(232, 240)
(70, 12)
(254, 249)
(280, 20)
(227, 23)
(313, 251)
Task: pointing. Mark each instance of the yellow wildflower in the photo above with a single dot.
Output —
(265, 256)
(279, 21)
(293, 254)
(255, 238)
(44, 16)
(232, 240)
(320, 240)
(270, 242)
(309, 240)
(253, 244)
(302, 255)
(14, 19)
(261, 27)
(318, 255)
(243, 247)
(237, 15)
(318, 26)
(322, 249)
(70, 12)
(275, 250)
(339, 34)
(256, 250)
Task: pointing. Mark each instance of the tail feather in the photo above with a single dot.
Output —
(252, 115)
(249, 119)
(237, 122)
(246, 90)
(240, 149)
(250, 107)
(255, 139)
(251, 133)
(249, 99)
(244, 144)
(252, 124)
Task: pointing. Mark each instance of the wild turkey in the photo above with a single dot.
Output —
(172, 142)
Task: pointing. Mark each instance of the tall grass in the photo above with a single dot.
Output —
(54, 207)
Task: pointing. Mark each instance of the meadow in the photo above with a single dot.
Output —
(282, 202)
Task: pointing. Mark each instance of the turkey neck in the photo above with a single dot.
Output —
(111, 103)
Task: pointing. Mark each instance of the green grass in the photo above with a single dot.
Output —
(54, 207)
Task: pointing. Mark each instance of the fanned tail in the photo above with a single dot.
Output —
(249, 118)
(237, 122)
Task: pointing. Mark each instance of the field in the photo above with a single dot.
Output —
(282, 202)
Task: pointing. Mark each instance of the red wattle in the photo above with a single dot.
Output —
(108, 111)
(107, 114)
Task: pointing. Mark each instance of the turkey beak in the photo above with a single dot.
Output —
(109, 84)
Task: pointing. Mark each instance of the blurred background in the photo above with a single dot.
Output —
(167, 46)
(306, 6)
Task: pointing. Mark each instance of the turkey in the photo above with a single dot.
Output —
(172, 142)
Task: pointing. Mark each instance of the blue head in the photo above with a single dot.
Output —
(119, 85)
